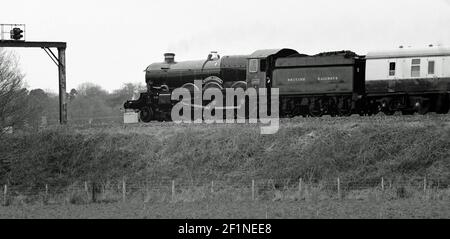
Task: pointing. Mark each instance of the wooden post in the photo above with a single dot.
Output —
(253, 189)
(5, 192)
(339, 188)
(267, 209)
(146, 191)
(124, 190)
(300, 187)
(425, 184)
(212, 186)
(62, 85)
(46, 191)
(173, 190)
(382, 184)
(93, 198)
(86, 189)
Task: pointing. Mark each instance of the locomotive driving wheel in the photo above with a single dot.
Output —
(146, 114)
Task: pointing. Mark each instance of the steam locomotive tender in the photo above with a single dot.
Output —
(328, 83)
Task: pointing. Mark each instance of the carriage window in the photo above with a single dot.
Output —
(430, 67)
(253, 65)
(392, 68)
(415, 68)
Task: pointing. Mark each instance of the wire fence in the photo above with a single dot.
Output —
(172, 191)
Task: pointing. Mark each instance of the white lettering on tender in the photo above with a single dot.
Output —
(327, 78)
(296, 79)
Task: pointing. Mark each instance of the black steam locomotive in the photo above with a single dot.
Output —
(337, 83)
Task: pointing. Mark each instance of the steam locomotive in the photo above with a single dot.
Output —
(339, 83)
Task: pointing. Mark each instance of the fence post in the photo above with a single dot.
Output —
(253, 189)
(425, 184)
(46, 191)
(173, 190)
(86, 190)
(146, 191)
(124, 190)
(339, 187)
(5, 192)
(382, 184)
(300, 187)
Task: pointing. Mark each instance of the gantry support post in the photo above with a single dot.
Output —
(62, 85)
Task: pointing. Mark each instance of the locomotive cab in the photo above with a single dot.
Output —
(260, 64)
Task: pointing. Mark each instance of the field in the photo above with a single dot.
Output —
(355, 167)
(257, 210)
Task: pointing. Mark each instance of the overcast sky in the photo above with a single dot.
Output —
(111, 42)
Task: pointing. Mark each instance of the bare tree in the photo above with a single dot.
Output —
(12, 95)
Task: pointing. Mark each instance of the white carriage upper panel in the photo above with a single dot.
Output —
(408, 63)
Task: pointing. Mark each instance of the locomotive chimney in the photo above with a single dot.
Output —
(169, 58)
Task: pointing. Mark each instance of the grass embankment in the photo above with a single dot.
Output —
(355, 149)
(358, 150)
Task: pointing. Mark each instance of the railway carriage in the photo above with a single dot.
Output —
(408, 80)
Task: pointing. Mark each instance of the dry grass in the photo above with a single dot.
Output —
(403, 208)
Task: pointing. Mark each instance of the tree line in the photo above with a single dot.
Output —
(22, 108)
